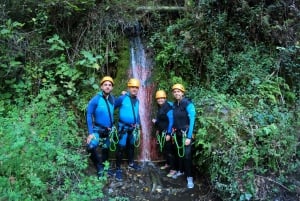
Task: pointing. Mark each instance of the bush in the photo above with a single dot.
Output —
(44, 159)
(247, 144)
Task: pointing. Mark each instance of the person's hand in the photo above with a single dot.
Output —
(187, 141)
(89, 138)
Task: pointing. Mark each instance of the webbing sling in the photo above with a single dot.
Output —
(113, 133)
(136, 131)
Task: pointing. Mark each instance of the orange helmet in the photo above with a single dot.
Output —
(178, 86)
(160, 94)
(107, 78)
(133, 83)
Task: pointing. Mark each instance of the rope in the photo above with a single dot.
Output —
(114, 139)
(161, 140)
(137, 137)
(182, 146)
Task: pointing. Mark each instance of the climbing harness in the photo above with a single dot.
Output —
(161, 139)
(113, 134)
(137, 137)
(136, 132)
(114, 138)
(182, 146)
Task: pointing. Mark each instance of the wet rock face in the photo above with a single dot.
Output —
(133, 29)
(151, 184)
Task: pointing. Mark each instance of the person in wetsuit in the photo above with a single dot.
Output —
(184, 115)
(163, 124)
(99, 120)
(128, 126)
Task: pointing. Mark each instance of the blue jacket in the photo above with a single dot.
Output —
(100, 112)
(128, 109)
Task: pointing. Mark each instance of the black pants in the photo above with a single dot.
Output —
(183, 162)
(169, 153)
(128, 147)
(96, 159)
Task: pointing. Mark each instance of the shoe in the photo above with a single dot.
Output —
(164, 167)
(111, 172)
(134, 166)
(119, 175)
(171, 173)
(177, 174)
(190, 183)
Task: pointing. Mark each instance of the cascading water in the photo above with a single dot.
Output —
(141, 69)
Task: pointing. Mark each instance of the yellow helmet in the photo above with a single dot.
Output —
(178, 86)
(133, 83)
(160, 94)
(107, 78)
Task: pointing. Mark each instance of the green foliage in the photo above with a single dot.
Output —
(10, 52)
(239, 73)
(290, 64)
(56, 43)
(172, 57)
(242, 139)
(90, 60)
(44, 159)
(244, 54)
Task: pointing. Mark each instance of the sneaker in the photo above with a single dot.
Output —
(119, 175)
(164, 167)
(190, 183)
(171, 173)
(134, 166)
(177, 174)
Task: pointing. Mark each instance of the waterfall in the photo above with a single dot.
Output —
(141, 69)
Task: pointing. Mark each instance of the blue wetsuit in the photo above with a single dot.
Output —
(128, 119)
(99, 119)
(184, 121)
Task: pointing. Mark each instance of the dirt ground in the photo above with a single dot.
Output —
(152, 184)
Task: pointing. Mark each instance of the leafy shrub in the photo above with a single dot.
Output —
(44, 159)
(246, 143)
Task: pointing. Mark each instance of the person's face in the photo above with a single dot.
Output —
(161, 101)
(107, 87)
(133, 91)
(178, 95)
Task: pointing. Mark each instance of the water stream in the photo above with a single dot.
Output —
(141, 69)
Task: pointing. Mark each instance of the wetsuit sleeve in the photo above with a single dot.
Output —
(92, 105)
(119, 100)
(192, 116)
(171, 121)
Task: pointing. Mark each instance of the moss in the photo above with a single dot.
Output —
(122, 65)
